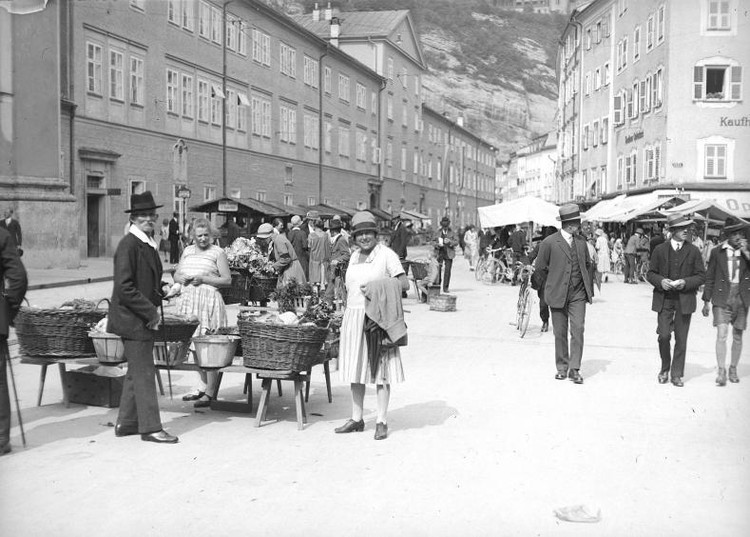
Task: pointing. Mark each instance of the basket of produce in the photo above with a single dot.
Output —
(264, 285)
(443, 303)
(239, 290)
(293, 296)
(58, 332)
(177, 328)
(253, 274)
(170, 353)
(215, 351)
(268, 345)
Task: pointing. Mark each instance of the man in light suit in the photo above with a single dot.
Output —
(566, 266)
(445, 242)
(728, 288)
(134, 316)
(676, 271)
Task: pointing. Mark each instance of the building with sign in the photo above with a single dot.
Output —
(531, 170)
(652, 97)
(197, 100)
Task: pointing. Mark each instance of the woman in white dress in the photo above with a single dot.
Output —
(371, 262)
(602, 250)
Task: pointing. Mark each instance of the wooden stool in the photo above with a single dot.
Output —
(267, 378)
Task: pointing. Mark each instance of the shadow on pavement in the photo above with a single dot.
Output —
(421, 415)
(589, 368)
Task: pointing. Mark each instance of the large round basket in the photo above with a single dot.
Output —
(56, 332)
(264, 285)
(443, 303)
(281, 347)
(239, 290)
(418, 270)
(177, 329)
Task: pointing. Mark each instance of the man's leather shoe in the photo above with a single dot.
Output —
(351, 426)
(124, 430)
(721, 378)
(575, 376)
(677, 381)
(545, 327)
(193, 396)
(160, 437)
(733, 374)
(381, 431)
(664, 377)
(561, 375)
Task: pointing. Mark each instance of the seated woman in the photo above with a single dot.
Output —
(433, 271)
(203, 268)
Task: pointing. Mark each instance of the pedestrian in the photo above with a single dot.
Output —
(134, 316)
(596, 276)
(202, 270)
(233, 230)
(298, 238)
(676, 271)
(538, 278)
(604, 264)
(729, 264)
(340, 254)
(517, 243)
(374, 281)
(320, 254)
(631, 255)
(13, 284)
(399, 238)
(174, 239)
(486, 237)
(471, 239)
(445, 242)
(431, 277)
(14, 229)
(566, 266)
(657, 239)
(164, 239)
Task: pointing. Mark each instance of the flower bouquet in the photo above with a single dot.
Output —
(253, 274)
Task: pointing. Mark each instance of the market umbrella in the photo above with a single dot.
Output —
(526, 209)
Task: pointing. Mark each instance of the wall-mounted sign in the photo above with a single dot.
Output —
(677, 164)
(114, 192)
(734, 122)
(226, 206)
(184, 192)
(630, 138)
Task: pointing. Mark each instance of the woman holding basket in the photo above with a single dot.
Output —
(374, 281)
(202, 270)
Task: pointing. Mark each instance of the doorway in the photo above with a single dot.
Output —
(93, 224)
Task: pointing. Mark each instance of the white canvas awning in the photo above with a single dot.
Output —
(528, 209)
(708, 210)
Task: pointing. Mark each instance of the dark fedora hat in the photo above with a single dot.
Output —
(569, 213)
(334, 224)
(732, 224)
(678, 220)
(445, 219)
(142, 202)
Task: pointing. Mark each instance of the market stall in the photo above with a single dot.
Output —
(527, 209)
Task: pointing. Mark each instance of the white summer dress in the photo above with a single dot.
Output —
(353, 362)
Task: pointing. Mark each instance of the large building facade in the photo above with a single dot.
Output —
(209, 100)
(653, 97)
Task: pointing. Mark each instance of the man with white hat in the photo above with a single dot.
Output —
(676, 271)
(565, 265)
(729, 264)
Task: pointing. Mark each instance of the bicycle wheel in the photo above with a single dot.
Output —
(528, 303)
(489, 275)
(480, 269)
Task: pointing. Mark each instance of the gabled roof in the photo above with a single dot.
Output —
(358, 25)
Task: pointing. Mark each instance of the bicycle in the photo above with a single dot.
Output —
(641, 269)
(526, 298)
(490, 270)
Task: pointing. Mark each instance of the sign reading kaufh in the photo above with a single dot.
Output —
(227, 206)
(734, 122)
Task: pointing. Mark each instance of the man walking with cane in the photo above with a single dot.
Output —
(13, 273)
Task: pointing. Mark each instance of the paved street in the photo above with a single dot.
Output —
(483, 441)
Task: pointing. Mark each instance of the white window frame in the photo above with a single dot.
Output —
(361, 96)
(327, 80)
(173, 91)
(232, 32)
(186, 87)
(650, 33)
(188, 22)
(310, 72)
(327, 136)
(216, 25)
(732, 87)
(116, 75)
(209, 192)
(136, 80)
(661, 24)
(605, 130)
(204, 92)
(215, 105)
(344, 149)
(718, 21)
(712, 157)
(389, 70)
(728, 159)
(344, 87)
(174, 13)
(636, 44)
(94, 53)
(361, 145)
(204, 19)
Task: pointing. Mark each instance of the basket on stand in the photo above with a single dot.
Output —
(443, 303)
(263, 286)
(281, 347)
(56, 332)
(109, 348)
(177, 329)
(239, 290)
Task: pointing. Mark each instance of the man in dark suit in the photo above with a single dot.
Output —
(564, 263)
(13, 283)
(298, 238)
(676, 271)
(445, 242)
(399, 237)
(134, 316)
(174, 239)
(14, 229)
(728, 288)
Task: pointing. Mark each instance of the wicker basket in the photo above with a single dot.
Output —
(418, 270)
(443, 303)
(281, 347)
(109, 348)
(170, 353)
(264, 284)
(177, 329)
(239, 290)
(56, 332)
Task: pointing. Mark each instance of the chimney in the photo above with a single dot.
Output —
(328, 12)
(335, 29)
(460, 120)
(316, 13)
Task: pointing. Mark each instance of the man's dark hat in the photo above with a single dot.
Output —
(569, 213)
(445, 219)
(334, 224)
(678, 220)
(733, 224)
(142, 202)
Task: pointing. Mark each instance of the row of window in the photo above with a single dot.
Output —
(646, 95)
(599, 78)
(627, 166)
(595, 133)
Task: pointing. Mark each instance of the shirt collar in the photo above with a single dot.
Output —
(143, 237)
(567, 236)
(676, 244)
(729, 249)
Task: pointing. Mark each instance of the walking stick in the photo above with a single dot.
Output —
(166, 354)
(15, 390)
